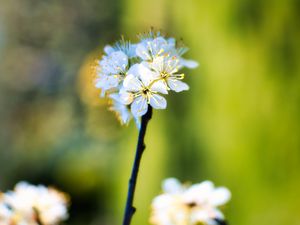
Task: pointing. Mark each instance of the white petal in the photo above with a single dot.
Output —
(98, 83)
(125, 115)
(134, 70)
(111, 82)
(132, 50)
(163, 201)
(172, 42)
(199, 193)
(191, 64)
(177, 85)
(172, 186)
(119, 60)
(126, 97)
(108, 49)
(146, 75)
(158, 46)
(220, 196)
(107, 82)
(115, 97)
(158, 64)
(160, 86)
(137, 121)
(132, 83)
(172, 64)
(158, 102)
(105, 66)
(142, 52)
(139, 106)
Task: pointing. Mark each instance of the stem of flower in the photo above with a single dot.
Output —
(221, 222)
(37, 214)
(130, 209)
(39, 222)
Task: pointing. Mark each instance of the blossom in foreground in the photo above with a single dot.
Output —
(189, 205)
(141, 89)
(134, 76)
(166, 70)
(32, 205)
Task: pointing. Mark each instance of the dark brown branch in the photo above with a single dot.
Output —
(37, 216)
(221, 222)
(130, 209)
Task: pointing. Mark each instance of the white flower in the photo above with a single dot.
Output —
(166, 69)
(112, 69)
(28, 202)
(148, 49)
(183, 205)
(134, 75)
(142, 89)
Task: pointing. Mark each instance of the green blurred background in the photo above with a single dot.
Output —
(238, 126)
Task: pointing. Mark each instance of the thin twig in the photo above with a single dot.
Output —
(37, 215)
(221, 222)
(130, 209)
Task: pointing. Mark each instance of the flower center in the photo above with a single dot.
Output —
(164, 75)
(145, 91)
(191, 204)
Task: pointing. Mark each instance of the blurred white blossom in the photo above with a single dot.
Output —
(28, 204)
(189, 205)
(134, 76)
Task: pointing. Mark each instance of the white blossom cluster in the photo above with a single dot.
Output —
(189, 205)
(135, 76)
(32, 205)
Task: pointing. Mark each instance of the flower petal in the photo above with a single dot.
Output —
(105, 82)
(134, 70)
(220, 196)
(108, 49)
(137, 121)
(139, 106)
(160, 86)
(132, 83)
(158, 102)
(142, 51)
(126, 97)
(131, 52)
(158, 64)
(119, 60)
(146, 75)
(115, 97)
(191, 64)
(172, 42)
(177, 85)
(114, 63)
(121, 110)
(158, 46)
(163, 201)
(199, 193)
(172, 186)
